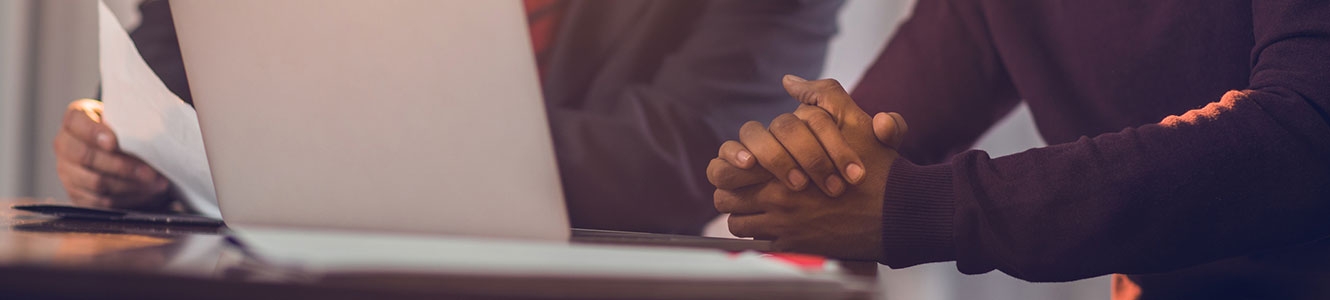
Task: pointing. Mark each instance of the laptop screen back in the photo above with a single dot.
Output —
(406, 116)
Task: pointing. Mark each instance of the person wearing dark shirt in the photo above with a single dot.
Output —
(637, 92)
(1189, 147)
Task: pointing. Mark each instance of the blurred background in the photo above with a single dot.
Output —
(48, 57)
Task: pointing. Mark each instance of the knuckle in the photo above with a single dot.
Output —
(901, 125)
(750, 125)
(98, 184)
(90, 130)
(750, 130)
(829, 84)
(738, 227)
(124, 168)
(818, 163)
(787, 126)
(71, 117)
(718, 202)
(821, 122)
(711, 168)
(809, 96)
(774, 202)
(111, 164)
(782, 205)
(847, 156)
(778, 163)
(784, 123)
(803, 111)
(724, 201)
(714, 171)
(86, 155)
(858, 119)
(729, 146)
(783, 201)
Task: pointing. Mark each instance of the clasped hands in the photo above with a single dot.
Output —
(813, 180)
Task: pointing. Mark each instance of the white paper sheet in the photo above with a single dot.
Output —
(150, 121)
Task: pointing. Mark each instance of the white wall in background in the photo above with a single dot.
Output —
(15, 36)
(66, 58)
(865, 26)
(48, 58)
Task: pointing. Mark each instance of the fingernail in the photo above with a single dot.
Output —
(798, 179)
(855, 171)
(744, 157)
(104, 140)
(792, 77)
(835, 185)
(146, 173)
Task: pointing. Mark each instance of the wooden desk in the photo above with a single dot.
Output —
(43, 257)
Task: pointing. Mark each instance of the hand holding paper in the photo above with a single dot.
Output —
(143, 123)
(93, 169)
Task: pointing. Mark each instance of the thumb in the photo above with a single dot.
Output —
(826, 94)
(890, 129)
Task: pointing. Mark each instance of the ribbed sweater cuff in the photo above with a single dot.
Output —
(918, 211)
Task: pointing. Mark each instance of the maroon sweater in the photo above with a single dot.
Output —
(1181, 131)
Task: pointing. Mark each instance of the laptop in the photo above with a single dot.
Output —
(401, 116)
(421, 117)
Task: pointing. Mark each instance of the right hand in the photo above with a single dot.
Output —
(808, 145)
(95, 172)
(841, 221)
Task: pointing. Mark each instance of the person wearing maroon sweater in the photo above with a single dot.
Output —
(1189, 146)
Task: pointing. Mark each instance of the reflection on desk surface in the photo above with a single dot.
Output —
(39, 254)
(35, 240)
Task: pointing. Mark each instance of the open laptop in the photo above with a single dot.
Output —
(403, 116)
(397, 116)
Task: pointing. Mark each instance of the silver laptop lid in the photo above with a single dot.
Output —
(407, 116)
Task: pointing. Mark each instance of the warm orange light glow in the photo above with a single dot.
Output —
(1207, 113)
(92, 107)
(1124, 289)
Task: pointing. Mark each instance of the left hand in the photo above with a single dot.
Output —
(807, 220)
(94, 169)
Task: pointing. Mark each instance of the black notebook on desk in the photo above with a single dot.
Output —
(118, 215)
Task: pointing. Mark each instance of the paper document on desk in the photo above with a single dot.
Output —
(149, 120)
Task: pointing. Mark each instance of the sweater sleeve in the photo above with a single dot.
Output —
(1246, 173)
(941, 71)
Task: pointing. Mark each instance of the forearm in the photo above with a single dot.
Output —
(1243, 174)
